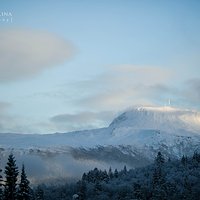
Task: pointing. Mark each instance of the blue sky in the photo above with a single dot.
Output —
(71, 65)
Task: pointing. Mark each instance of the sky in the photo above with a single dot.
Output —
(76, 64)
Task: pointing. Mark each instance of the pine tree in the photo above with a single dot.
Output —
(24, 189)
(39, 193)
(159, 182)
(158, 175)
(196, 156)
(1, 184)
(125, 170)
(11, 172)
(116, 173)
(82, 190)
(97, 188)
(84, 177)
(187, 189)
(184, 160)
(105, 176)
(137, 191)
(110, 173)
(159, 160)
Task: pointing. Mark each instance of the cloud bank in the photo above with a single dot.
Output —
(25, 53)
(122, 86)
(100, 98)
(4, 117)
(192, 91)
(81, 120)
(4, 106)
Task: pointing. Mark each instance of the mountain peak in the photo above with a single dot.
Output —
(166, 118)
(156, 108)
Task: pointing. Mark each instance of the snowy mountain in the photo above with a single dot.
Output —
(133, 138)
(168, 119)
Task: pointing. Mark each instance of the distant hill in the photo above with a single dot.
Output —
(133, 138)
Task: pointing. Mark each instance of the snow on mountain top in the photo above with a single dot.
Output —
(133, 138)
(136, 124)
(156, 108)
(166, 118)
(166, 108)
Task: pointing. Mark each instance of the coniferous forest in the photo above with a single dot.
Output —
(165, 179)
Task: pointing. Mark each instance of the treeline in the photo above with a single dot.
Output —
(163, 180)
(11, 188)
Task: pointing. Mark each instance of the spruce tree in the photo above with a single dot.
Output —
(116, 173)
(187, 189)
(11, 173)
(82, 190)
(158, 176)
(97, 188)
(196, 157)
(137, 191)
(159, 182)
(39, 193)
(184, 160)
(110, 173)
(24, 189)
(159, 160)
(105, 176)
(125, 170)
(1, 184)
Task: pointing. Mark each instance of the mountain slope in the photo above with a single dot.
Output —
(133, 138)
(168, 119)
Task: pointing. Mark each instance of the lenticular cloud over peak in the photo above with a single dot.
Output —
(24, 53)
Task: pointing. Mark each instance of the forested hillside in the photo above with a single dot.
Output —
(165, 179)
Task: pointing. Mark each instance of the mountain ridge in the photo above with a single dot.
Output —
(165, 118)
(135, 135)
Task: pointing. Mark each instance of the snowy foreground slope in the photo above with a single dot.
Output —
(133, 138)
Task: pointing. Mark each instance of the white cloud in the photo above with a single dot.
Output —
(81, 120)
(4, 106)
(4, 117)
(104, 95)
(10, 123)
(189, 93)
(24, 53)
(192, 92)
(121, 87)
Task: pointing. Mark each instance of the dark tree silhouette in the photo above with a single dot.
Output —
(1, 184)
(110, 173)
(159, 182)
(11, 173)
(81, 190)
(24, 189)
(39, 193)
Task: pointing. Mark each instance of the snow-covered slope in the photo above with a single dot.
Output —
(133, 138)
(133, 125)
(168, 119)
